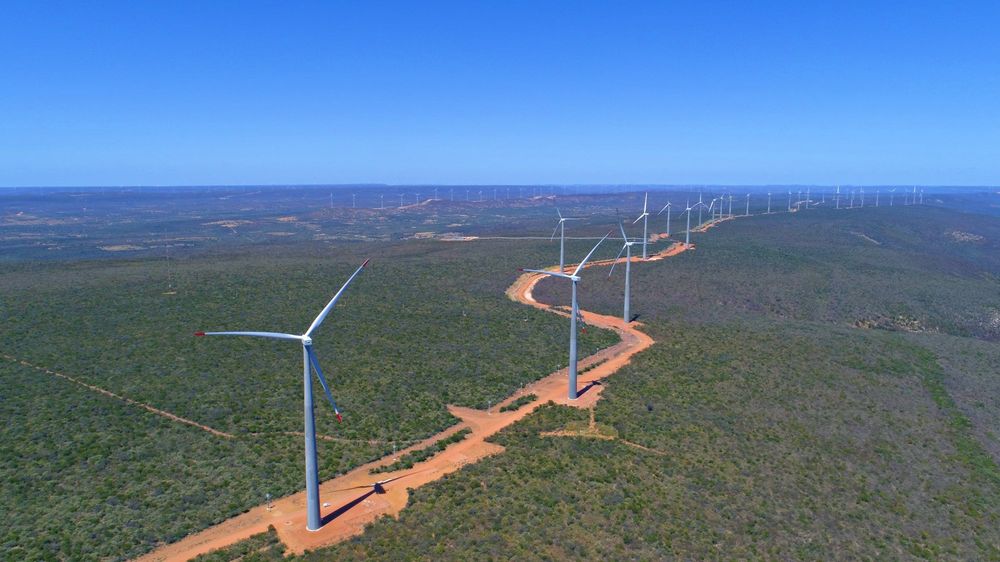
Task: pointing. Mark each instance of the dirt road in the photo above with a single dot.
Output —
(346, 512)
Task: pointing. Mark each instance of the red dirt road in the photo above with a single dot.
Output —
(360, 507)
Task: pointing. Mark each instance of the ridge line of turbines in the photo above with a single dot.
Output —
(501, 194)
(310, 362)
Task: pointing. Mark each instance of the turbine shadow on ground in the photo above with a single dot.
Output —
(589, 386)
(346, 507)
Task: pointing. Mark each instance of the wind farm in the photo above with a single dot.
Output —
(499, 281)
(358, 474)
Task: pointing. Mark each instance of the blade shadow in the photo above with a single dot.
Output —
(345, 508)
(584, 390)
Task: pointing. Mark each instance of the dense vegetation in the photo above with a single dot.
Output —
(905, 268)
(413, 457)
(427, 325)
(265, 547)
(763, 424)
(781, 440)
(520, 401)
(774, 427)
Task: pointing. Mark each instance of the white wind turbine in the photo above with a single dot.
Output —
(627, 249)
(561, 228)
(574, 313)
(688, 209)
(309, 360)
(667, 209)
(644, 217)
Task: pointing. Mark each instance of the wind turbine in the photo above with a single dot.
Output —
(838, 197)
(688, 209)
(747, 214)
(561, 227)
(769, 202)
(644, 217)
(667, 209)
(574, 313)
(789, 200)
(309, 360)
(892, 195)
(627, 248)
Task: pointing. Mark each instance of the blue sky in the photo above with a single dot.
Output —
(187, 93)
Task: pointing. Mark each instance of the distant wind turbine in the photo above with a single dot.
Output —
(644, 217)
(627, 248)
(561, 228)
(688, 209)
(574, 313)
(309, 361)
(667, 209)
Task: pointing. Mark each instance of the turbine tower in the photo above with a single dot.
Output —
(574, 313)
(561, 228)
(644, 217)
(667, 209)
(688, 209)
(627, 248)
(769, 202)
(747, 213)
(309, 360)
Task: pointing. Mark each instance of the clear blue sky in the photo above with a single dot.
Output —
(171, 93)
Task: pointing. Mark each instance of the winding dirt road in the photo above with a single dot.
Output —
(346, 512)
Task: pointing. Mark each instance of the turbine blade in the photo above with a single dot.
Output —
(272, 335)
(624, 236)
(644, 201)
(552, 273)
(614, 263)
(638, 219)
(554, 231)
(664, 208)
(322, 381)
(558, 213)
(584, 262)
(326, 310)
